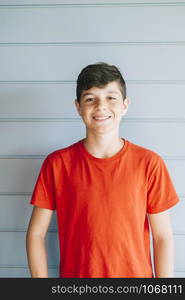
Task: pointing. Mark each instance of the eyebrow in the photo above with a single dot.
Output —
(109, 92)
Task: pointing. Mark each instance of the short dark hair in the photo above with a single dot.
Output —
(99, 75)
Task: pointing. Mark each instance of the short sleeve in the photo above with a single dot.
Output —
(44, 191)
(161, 193)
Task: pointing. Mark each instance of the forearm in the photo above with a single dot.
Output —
(164, 257)
(37, 256)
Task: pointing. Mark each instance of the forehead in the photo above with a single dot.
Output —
(111, 87)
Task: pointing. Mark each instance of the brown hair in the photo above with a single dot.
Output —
(99, 75)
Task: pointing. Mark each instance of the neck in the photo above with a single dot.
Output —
(103, 148)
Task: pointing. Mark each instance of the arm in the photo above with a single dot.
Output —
(163, 244)
(35, 241)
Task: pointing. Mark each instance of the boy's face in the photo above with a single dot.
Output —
(102, 108)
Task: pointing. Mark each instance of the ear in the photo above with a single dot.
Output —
(77, 104)
(128, 101)
(126, 105)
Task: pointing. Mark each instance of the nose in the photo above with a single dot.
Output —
(101, 103)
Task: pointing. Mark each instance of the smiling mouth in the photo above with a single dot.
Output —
(101, 118)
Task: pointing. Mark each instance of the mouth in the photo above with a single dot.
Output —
(101, 119)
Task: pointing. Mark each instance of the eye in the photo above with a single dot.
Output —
(89, 99)
(112, 98)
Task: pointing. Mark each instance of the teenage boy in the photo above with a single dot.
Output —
(106, 191)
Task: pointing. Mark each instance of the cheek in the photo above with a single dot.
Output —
(118, 110)
(86, 112)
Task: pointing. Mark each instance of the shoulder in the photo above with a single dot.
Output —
(145, 155)
(149, 161)
(65, 153)
(143, 151)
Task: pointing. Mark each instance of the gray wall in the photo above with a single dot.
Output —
(42, 49)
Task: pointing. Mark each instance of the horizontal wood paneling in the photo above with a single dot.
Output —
(18, 272)
(47, 44)
(23, 138)
(54, 100)
(177, 217)
(13, 249)
(179, 243)
(18, 210)
(53, 63)
(50, 24)
(89, 2)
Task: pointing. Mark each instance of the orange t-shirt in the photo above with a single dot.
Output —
(102, 206)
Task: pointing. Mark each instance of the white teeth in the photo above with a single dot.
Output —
(101, 118)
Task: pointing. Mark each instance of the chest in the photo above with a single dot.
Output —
(113, 188)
